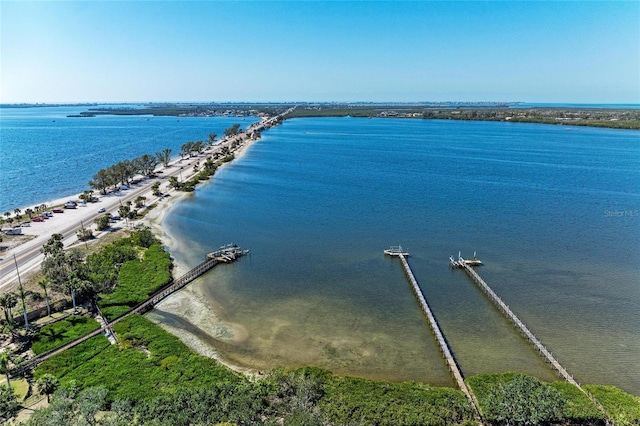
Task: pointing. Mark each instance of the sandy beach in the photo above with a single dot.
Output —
(188, 302)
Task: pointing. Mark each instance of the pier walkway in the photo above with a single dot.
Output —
(435, 328)
(542, 350)
(518, 323)
(226, 254)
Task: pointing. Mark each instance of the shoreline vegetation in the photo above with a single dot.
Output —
(150, 377)
(614, 118)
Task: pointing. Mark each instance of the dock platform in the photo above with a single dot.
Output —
(396, 251)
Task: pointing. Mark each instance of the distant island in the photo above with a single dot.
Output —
(615, 118)
(44, 105)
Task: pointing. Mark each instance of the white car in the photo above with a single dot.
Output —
(102, 210)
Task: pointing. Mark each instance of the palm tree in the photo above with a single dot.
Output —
(140, 200)
(156, 189)
(186, 149)
(76, 284)
(23, 294)
(164, 156)
(47, 385)
(7, 214)
(212, 138)
(84, 196)
(17, 212)
(197, 147)
(44, 284)
(8, 301)
(53, 246)
(4, 366)
(174, 183)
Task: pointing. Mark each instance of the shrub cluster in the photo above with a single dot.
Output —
(512, 398)
(137, 280)
(152, 378)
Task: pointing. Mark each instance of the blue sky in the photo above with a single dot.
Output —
(115, 51)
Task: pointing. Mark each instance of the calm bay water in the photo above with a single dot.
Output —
(45, 155)
(552, 211)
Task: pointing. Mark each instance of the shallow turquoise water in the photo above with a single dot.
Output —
(551, 210)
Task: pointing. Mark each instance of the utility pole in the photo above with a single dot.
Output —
(24, 306)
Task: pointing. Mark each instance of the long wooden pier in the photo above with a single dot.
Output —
(226, 254)
(435, 327)
(537, 344)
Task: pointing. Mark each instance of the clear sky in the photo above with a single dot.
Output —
(115, 51)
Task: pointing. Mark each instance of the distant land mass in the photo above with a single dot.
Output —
(595, 116)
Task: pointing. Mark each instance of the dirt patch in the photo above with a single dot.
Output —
(11, 241)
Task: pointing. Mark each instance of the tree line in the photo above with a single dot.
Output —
(123, 172)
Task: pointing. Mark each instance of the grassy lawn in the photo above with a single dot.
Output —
(19, 386)
(61, 332)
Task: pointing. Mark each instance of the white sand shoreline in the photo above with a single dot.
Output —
(189, 300)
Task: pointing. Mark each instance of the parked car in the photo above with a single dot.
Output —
(37, 219)
(102, 210)
(58, 211)
(25, 224)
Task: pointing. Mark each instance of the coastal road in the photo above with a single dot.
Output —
(28, 255)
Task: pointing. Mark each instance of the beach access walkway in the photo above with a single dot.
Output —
(226, 254)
